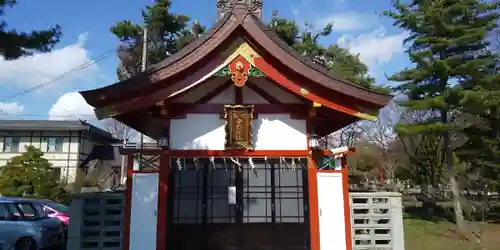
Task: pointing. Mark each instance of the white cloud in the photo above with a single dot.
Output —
(71, 106)
(11, 108)
(374, 48)
(29, 71)
(349, 21)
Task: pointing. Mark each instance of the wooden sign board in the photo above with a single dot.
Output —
(238, 126)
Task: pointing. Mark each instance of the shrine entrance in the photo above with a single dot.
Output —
(238, 115)
(230, 203)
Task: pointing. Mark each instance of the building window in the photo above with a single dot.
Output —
(289, 193)
(257, 193)
(188, 208)
(11, 144)
(54, 145)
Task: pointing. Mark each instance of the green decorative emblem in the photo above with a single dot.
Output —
(255, 72)
(223, 72)
(329, 163)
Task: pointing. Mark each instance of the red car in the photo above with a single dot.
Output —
(56, 210)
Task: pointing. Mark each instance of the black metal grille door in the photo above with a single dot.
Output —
(270, 210)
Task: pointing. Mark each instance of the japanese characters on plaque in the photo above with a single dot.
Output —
(238, 126)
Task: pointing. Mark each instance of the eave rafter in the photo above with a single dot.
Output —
(143, 123)
(210, 95)
(263, 93)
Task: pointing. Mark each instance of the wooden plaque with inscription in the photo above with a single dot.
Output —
(238, 126)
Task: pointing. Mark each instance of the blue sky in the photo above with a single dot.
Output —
(86, 36)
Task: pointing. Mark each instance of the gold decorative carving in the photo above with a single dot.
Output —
(239, 130)
(239, 69)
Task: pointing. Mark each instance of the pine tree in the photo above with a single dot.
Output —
(14, 44)
(447, 46)
(335, 58)
(31, 175)
(167, 34)
(481, 104)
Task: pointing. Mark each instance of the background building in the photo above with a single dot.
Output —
(64, 143)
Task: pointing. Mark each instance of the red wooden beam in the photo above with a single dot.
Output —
(298, 89)
(218, 153)
(178, 110)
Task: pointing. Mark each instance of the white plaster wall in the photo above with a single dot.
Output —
(197, 131)
(279, 132)
(206, 131)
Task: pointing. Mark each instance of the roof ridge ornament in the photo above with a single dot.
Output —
(225, 6)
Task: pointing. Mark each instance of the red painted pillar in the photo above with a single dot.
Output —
(128, 202)
(161, 243)
(312, 182)
(314, 205)
(347, 203)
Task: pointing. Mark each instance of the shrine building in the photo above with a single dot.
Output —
(238, 115)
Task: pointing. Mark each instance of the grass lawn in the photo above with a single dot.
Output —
(439, 234)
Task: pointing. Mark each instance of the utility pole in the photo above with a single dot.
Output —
(144, 60)
(124, 159)
(144, 49)
(143, 68)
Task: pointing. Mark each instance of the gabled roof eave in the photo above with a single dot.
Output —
(197, 51)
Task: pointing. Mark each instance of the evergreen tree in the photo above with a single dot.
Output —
(336, 59)
(481, 104)
(447, 46)
(31, 175)
(14, 44)
(167, 34)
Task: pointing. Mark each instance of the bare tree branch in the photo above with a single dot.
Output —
(119, 130)
(345, 137)
(382, 131)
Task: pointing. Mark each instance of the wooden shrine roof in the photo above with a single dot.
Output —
(180, 72)
(240, 19)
